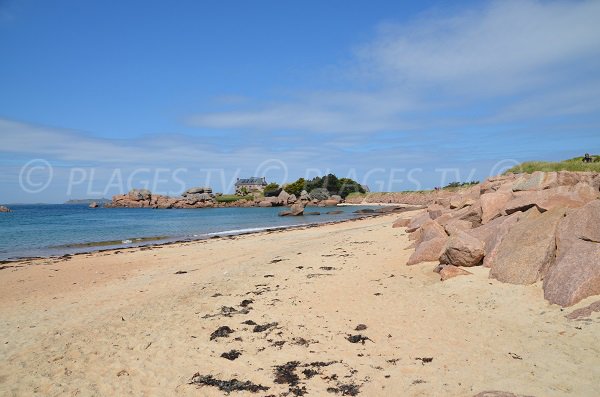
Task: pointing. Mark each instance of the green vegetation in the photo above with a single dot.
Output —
(228, 198)
(334, 185)
(575, 164)
(295, 188)
(460, 184)
(272, 189)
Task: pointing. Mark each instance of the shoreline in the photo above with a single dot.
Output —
(151, 242)
(107, 323)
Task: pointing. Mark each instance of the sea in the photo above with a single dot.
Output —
(55, 230)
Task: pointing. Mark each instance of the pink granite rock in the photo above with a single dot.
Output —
(428, 251)
(462, 249)
(576, 274)
(417, 221)
(456, 225)
(492, 234)
(401, 222)
(430, 230)
(527, 251)
(492, 205)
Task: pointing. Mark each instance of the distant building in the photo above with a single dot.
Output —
(250, 185)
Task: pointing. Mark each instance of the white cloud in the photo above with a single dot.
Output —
(446, 68)
(498, 48)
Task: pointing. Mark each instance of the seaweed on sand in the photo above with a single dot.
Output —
(358, 338)
(221, 332)
(231, 355)
(264, 327)
(226, 386)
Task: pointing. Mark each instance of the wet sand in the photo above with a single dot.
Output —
(139, 322)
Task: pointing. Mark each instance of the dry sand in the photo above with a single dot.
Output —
(117, 324)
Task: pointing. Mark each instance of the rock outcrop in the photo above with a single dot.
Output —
(527, 251)
(525, 228)
(427, 251)
(4, 209)
(576, 274)
(93, 205)
(462, 249)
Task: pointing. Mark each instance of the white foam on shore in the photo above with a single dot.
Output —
(249, 230)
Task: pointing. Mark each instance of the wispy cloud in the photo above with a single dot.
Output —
(477, 65)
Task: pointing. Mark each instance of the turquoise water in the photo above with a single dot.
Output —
(47, 230)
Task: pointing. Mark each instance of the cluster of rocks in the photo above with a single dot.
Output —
(524, 227)
(4, 209)
(412, 198)
(143, 198)
(202, 197)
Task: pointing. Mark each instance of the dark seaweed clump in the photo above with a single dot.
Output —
(264, 327)
(357, 338)
(221, 332)
(226, 386)
(231, 355)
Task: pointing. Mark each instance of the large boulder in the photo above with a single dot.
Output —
(558, 197)
(462, 249)
(4, 209)
(93, 204)
(492, 233)
(330, 203)
(428, 251)
(417, 221)
(140, 194)
(265, 203)
(527, 251)
(401, 222)
(456, 225)
(576, 274)
(492, 205)
(430, 230)
(497, 183)
(283, 197)
(297, 209)
(319, 194)
(304, 196)
(435, 211)
(470, 213)
(536, 181)
(197, 190)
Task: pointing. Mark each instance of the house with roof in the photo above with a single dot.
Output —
(249, 185)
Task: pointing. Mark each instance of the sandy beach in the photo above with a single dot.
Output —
(139, 322)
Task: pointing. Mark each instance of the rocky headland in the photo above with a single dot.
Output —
(202, 197)
(526, 228)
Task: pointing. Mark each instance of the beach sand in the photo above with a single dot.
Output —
(138, 322)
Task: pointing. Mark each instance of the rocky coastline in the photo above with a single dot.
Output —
(528, 228)
(202, 197)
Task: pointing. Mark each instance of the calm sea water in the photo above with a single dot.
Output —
(46, 230)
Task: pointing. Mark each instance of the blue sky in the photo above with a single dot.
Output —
(397, 94)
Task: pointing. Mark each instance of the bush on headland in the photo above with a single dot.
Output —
(331, 183)
(575, 165)
(272, 190)
(230, 198)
